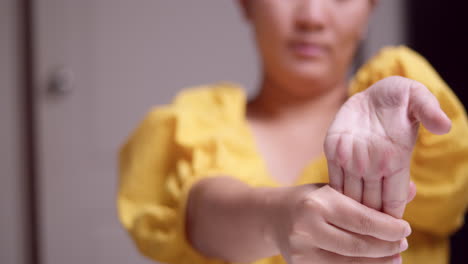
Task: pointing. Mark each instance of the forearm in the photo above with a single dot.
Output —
(227, 219)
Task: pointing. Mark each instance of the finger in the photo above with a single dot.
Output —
(353, 186)
(344, 150)
(335, 174)
(330, 257)
(372, 180)
(346, 153)
(350, 215)
(349, 244)
(355, 169)
(372, 194)
(411, 192)
(424, 107)
(395, 193)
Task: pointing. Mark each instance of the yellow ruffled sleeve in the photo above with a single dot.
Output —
(439, 164)
(199, 135)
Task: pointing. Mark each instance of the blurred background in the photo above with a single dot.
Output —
(76, 76)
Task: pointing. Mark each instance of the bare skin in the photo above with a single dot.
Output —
(286, 127)
(305, 224)
(306, 48)
(369, 145)
(372, 137)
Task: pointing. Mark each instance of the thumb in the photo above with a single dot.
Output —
(424, 107)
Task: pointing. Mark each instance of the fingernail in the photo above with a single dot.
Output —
(397, 259)
(403, 245)
(407, 231)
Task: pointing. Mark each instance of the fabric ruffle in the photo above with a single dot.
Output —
(201, 134)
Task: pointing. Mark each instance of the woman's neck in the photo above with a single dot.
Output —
(276, 103)
(286, 123)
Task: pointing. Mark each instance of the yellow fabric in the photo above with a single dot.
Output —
(204, 133)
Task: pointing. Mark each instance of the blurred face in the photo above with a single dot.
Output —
(307, 45)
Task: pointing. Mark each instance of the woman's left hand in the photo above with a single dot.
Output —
(369, 144)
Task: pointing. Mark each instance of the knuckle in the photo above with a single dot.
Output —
(393, 204)
(366, 224)
(358, 247)
(313, 204)
(306, 215)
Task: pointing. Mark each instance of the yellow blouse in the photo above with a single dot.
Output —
(204, 133)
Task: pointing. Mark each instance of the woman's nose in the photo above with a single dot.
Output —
(311, 15)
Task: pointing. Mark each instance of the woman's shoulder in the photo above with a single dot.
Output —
(223, 98)
(197, 114)
(210, 101)
(400, 61)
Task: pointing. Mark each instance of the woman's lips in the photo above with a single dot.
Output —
(308, 50)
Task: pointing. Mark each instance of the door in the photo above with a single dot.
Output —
(101, 65)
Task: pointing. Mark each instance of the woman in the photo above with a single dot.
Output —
(213, 178)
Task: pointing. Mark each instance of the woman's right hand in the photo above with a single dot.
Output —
(314, 224)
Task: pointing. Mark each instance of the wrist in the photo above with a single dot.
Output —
(266, 206)
(276, 210)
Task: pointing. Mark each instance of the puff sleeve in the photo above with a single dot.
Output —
(195, 137)
(439, 165)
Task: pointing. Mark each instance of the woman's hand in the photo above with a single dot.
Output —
(369, 144)
(320, 225)
(229, 220)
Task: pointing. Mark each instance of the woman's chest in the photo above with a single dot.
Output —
(288, 159)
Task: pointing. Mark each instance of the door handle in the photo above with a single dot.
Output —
(61, 82)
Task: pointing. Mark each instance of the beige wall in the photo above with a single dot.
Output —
(11, 173)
